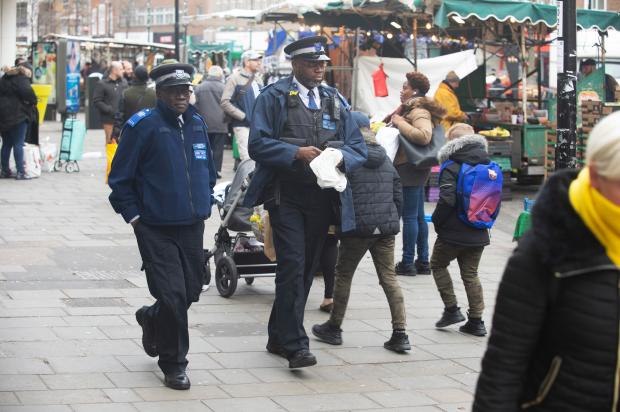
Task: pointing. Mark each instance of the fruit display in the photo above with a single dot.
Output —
(497, 132)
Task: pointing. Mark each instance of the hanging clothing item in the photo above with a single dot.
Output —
(379, 81)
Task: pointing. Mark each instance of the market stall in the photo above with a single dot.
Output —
(523, 116)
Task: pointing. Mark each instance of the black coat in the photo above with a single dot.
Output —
(377, 196)
(107, 97)
(554, 342)
(449, 227)
(17, 100)
(136, 97)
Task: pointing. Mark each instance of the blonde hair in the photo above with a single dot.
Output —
(603, 149)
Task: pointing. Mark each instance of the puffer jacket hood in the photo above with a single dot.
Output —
(376, 156)
(453, 147)
(436, 110)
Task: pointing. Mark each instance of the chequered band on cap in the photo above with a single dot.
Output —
(316, 49)
(177, 75)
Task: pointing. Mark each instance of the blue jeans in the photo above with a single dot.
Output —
(415, 229)
(14, 139)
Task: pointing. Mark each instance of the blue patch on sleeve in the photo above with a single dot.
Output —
(200, 151)
(136, 118)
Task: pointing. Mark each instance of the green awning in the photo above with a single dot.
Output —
(522, 12)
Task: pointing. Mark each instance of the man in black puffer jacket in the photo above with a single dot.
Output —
(455, 239)
(377, 202)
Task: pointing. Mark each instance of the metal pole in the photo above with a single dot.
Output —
(177, 51)
(524, 63)
(354, 85)
(415, 43)
(565, 150)
(148, 20)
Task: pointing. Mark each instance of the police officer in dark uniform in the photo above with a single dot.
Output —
(293, 120)
(162, 182)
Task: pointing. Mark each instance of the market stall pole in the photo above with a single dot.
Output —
(177, 51)
(565, 153)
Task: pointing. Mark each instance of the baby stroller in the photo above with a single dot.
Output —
(241, 255)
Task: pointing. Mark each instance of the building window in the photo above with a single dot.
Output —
(22, 14)
(598, 4)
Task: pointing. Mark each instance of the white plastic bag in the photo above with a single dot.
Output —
(387, 137)
(48, 155)
(32, 161)
(325, 167)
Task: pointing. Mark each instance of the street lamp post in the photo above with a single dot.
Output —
(566, 146)
(177, 39)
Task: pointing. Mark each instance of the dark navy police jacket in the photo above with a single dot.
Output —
(161, 174)
(271, 154)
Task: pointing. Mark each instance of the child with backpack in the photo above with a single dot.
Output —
(469, 201)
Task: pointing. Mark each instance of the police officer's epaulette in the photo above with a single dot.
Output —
(136, 118)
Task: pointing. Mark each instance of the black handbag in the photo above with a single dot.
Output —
(424, 157)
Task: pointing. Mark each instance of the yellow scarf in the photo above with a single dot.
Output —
(600, 215)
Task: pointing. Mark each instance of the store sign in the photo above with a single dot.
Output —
(44, 63)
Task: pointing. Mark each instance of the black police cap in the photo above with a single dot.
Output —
(308, 48)
(172, 74)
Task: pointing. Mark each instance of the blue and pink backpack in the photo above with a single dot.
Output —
(478, 193)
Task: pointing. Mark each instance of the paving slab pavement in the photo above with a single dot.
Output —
(70, 282)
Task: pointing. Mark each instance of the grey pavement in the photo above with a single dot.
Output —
(70, 283)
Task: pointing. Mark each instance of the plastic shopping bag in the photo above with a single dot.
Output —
(110, 150)
(32, 161)
(388, 138)
(48, 155)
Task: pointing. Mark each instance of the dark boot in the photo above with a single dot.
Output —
(148, 332)
(6, 174)
(450, 316)
(328, 333)
(403, 269)
(399, 342)
(474, 327)
(422, 268)
(178, 381)
(21, 176)
(301, 359)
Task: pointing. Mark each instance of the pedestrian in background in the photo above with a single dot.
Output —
(208, 102)
(284, 139)
(555, 336)
(17, 108)
(162, 182)
(455, 239)
(327, 267)
(136, 97)
(446, 96)
(128, 71)
(377, 202)
(107, 97)
(415, 119)
(240, 92)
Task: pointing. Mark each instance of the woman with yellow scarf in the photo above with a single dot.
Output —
(555, 341)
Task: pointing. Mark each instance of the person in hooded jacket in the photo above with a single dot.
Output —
(555, 340)
(17, 102)
(377, 202)
(455, 239)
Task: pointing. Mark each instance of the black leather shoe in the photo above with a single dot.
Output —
(474, 327)
(449, 317)
(276, 349)
(301, 359)
(399, 342)
(422, 268)
(148, 333)
(403, 269)
(328, 333)
(178, 381)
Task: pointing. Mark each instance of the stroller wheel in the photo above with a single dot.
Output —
(249, 281)
(226, 276)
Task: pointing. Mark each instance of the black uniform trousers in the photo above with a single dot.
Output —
(173, 259)
(299, 224)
